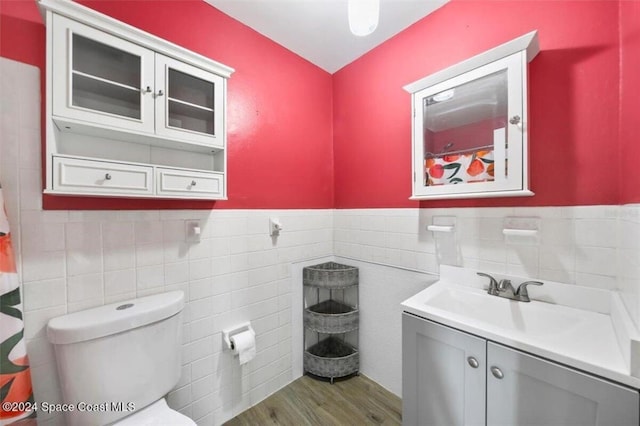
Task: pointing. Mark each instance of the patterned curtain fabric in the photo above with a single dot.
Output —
(447, 169)
(15, 378)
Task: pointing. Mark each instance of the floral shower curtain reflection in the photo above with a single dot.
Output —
(15, 377)
(475, 166)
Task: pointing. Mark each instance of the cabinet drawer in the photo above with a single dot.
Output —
(189, 184)
(100, 177)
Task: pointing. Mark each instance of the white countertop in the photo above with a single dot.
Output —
(576, 326)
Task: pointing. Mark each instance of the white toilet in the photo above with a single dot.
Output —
(117, 362)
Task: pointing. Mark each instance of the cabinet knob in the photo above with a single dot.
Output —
(497, 373)
(107, 177)
(193, 183)
(515, 119)
(160, 93)
(473, 362)
(147, 90)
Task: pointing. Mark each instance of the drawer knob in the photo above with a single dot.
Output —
(107, 177)
(497, 373)
(193, 183)
(473, 362)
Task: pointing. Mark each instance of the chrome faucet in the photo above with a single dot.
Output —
(493, 284)
(505, 289)
(522, 293)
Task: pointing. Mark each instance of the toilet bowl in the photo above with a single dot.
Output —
(127, 385)
(155, 414)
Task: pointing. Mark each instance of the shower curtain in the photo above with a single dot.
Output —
(16, 395)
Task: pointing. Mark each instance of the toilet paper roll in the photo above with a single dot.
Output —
(244, 345)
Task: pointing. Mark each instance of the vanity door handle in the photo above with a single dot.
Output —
(473, 362)
(497, 373)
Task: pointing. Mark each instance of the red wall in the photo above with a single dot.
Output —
(300, 138)
(280, 152)
(630, 102)
(573, 101)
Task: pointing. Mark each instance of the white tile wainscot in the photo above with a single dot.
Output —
(593, 246)
(233, 275)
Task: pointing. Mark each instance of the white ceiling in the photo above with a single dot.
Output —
(318, 30)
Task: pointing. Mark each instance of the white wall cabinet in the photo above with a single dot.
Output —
(123, 97)
(470, 126)
(453, 378)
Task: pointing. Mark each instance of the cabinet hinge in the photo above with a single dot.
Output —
(414, 176)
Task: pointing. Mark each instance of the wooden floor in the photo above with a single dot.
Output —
(307, 401)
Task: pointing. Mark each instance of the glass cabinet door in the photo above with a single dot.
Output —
(468, 133)
(106, 79)
(190, 104)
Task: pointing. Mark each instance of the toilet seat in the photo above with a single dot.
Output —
(155, 414)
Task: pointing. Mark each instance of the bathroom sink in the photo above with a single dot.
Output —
(535, 318)
(573, 325)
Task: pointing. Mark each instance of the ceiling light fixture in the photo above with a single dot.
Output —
(363, 16)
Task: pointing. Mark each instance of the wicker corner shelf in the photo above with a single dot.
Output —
(330, 275)
(331, 356)
(331, 317)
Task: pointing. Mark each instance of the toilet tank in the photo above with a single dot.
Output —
(118, 357)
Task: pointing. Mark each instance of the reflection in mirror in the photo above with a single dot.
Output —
(464, 132)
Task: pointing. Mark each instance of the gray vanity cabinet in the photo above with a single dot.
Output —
(440, 385)
(453, 378)
(533, 391)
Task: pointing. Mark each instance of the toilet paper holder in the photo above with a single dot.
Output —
(228, 333)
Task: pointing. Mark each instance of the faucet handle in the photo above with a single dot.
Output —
(504, 284)
(493, 284)
(522, 292)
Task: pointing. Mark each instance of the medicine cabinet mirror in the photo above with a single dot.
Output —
(470, 126)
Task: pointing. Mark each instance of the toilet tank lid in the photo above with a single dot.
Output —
(114, 318)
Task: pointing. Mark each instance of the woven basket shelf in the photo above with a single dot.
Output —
(331, 316)
(331, 358)
(330, 275)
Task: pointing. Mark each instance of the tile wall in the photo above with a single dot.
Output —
(595, 246)
(628, 258)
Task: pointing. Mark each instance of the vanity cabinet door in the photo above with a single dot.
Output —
(443, 375)
(533, 391)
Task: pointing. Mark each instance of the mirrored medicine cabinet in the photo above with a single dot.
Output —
(470, 121)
